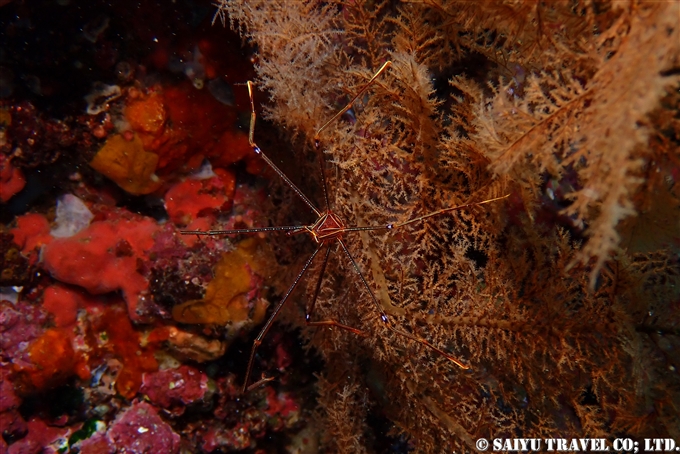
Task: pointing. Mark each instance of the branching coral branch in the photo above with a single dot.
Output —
(596, 126)
(563, 104)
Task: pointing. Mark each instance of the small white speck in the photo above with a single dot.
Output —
(142, 430)
(550, 193)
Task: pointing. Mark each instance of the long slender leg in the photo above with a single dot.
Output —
(297, 228)
(322, 171)
(237, 231)
(388, 322)
(277, 309)
(310, 310)
(317, 290)
(258, 151)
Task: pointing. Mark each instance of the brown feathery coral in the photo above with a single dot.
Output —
(572, 107)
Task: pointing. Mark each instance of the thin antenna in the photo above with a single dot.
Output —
(382, 69)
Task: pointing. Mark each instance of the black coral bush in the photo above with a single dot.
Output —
(563, 298)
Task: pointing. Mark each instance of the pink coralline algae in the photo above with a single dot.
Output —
(41, 439)
(139, 429)
(96, 444)
(20, 324)
(241, 429)
(174, 389)
(11, 422)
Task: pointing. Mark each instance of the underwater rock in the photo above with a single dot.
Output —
(270, 411)
(97, 444)
(20, 324)
(12, 180)
(139, 429)
(16, 270)
(84, 319)
(193, 198)
(50, 361)
(31, 232)
(41, 439)
(183, 126)
(72, 216)
(233, 293)
(194, 347)
(104, 258)
(118, 339)
(146, 114)
(63, 303)
(44, 359)
(12, 425)
(236, 438)
(174, 389)
(232, 147)
(37, 141)
(128, 165)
